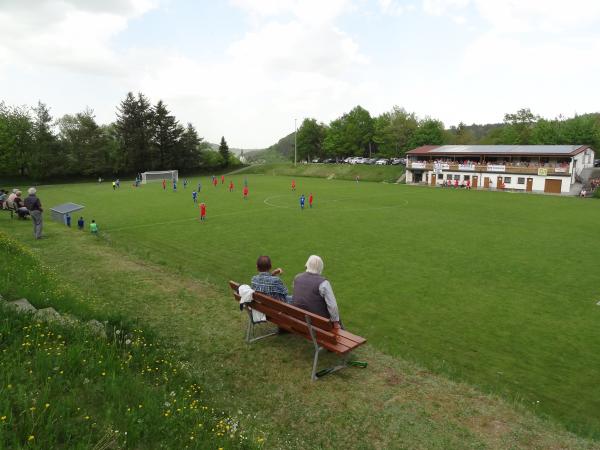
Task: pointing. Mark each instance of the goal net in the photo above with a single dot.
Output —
(160, 175)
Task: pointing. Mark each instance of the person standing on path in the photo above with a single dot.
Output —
(33, 204)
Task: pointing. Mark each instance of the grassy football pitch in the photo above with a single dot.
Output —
(495, 289)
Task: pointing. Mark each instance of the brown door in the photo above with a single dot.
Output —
(529, 185)
(433, 179)
(500, 184)
(552, 186)
(486, 182)
(474, 183)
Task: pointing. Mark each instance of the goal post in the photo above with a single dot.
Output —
(159, 175)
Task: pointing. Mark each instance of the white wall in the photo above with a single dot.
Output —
(539, 182)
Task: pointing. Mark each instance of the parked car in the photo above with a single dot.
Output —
(316, 160)
(597, 163)
(381, 162)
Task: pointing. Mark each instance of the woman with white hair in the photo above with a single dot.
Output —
(33, 204)
(313, 292)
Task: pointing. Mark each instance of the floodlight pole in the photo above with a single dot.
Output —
(295, 132)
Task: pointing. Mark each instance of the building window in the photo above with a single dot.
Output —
(457, 177)
(507, 180)
(520, 180)
(441, 176)
(467, 177)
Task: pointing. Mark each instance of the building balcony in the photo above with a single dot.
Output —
(490, 168)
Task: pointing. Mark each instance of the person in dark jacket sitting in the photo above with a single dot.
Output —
(313, 292)
(22, 211)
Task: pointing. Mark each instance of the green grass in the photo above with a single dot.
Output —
(494, 289)
(62, 386)
(388, 174)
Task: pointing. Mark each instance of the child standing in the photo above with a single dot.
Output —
(94, 227)
(302, 199)
(202, 212)
(80, 223)
(195, 196)
(310, 200)
(245, 191)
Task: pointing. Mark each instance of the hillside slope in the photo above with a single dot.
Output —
(398, 404)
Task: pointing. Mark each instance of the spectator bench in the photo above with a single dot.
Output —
(11, 207)
(317, 329)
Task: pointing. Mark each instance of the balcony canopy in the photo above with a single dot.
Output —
(498, 150)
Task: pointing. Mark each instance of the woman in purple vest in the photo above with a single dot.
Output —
(313, 292)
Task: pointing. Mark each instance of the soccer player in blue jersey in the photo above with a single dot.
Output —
(302, 199)
(185, 183)
(174, 186)
(195, 196)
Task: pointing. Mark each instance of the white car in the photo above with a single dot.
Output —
(381, 162)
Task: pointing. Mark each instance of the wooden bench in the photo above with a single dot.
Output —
(11, 207)
(317, 329)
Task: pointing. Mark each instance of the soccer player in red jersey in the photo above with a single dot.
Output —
(164, 184)
(310, 200)
(231, 186)
(215, 181)
(222, 179)
(202, 212)
(293, 185)
(245, 191)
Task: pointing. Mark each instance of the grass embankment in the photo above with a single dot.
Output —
(389, 174)
(63, 386)
(391, 404)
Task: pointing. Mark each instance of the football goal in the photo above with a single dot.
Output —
(160, 175)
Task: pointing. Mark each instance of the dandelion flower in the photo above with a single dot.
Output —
(31, 437)
(47, 405)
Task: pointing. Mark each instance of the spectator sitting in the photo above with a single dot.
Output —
(3, 196)
(313, 292)
(22, 211)
(267, 282)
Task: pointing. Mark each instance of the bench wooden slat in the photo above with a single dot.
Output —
(294, 311)
(293, 319)
(298, 325)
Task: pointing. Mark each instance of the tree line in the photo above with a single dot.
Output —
(395, 132)
(143, 137)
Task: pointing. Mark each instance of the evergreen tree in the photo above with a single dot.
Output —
(135, 131)
(224, 151)
(46, 155)
(165, 139)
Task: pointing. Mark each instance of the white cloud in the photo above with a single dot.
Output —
(72, 34)
(393, 7)
(539, 15)
(440, 7)
(307, 11)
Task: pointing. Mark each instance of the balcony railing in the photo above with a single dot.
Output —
(493, 168)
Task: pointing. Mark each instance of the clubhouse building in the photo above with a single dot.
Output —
(538, 168)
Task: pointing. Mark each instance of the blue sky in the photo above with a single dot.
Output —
(245, 69)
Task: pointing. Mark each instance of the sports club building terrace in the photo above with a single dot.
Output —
(537, 168)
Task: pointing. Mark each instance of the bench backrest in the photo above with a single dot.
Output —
(296, 320)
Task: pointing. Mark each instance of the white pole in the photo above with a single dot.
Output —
(295, 132)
